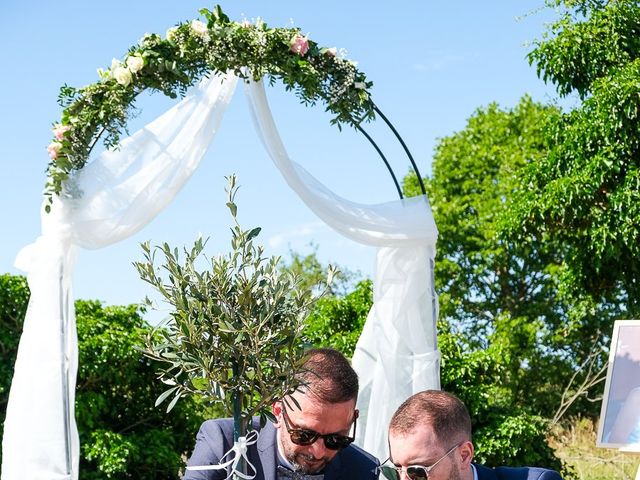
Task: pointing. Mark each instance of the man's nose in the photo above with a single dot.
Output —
(318, 448)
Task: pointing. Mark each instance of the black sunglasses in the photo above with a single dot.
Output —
(302, 436)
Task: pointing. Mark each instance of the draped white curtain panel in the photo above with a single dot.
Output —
(121, 191)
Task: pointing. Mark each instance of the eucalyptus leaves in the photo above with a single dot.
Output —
(235, 335)
(188, 52)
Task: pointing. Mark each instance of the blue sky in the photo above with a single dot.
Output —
(432, 64)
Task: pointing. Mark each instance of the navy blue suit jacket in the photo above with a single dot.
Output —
(519, 473)
(215, 438)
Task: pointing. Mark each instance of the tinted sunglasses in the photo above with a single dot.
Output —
(302, 436)
(414, 472)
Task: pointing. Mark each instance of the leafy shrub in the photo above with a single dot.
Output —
(122, 434)
(504, 432)
(337, 321)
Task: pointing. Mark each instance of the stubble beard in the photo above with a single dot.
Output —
(302, 463)
(455, 473)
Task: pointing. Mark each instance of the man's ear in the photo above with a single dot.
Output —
(466, 453)
(276, 409)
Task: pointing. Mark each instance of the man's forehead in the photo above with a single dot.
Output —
(321, 417)
(418, 446)
(306, 400)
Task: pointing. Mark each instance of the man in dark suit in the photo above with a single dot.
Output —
(430, 438)
(313, 432)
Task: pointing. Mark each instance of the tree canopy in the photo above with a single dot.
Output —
(502, 294)
(538, 210)
(122, 434)
(585, 191)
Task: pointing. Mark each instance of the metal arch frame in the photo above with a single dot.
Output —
(384, 159)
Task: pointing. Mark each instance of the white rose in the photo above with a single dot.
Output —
(135, 63)
(200, 29)
(122, 75)
(144, 38)
(332, 52)
(171, 33)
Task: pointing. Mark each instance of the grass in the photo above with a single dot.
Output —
(575, 444)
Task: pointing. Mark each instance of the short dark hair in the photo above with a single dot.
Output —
(442, 411)
(327, 374)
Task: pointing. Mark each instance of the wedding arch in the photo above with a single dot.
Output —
(92, 203)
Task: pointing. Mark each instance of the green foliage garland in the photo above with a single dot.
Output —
(188, 52)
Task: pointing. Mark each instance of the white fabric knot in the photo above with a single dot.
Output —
(238, 452)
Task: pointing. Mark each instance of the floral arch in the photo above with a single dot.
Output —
(189, 52)
(92, 203)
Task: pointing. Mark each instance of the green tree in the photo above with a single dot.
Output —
(479, 276)
(498, 292)
(311, 272)
(504, 433)
(337, 321)
(122, 434)
(14, 297)
(235, 333)
(585, 191)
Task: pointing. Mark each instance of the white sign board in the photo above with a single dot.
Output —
(620, 415)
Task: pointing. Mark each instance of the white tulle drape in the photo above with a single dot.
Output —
(396, 355)
(121, 191)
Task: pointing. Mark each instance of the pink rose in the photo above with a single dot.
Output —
(299, 45)
(54, 149)
(60, 130)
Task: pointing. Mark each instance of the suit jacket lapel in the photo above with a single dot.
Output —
(267, 452)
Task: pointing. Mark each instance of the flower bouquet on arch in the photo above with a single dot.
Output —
(234, 337)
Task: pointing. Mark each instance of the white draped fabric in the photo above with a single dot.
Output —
(396, 355)
(121, 191)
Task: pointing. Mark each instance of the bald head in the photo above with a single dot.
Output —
(443, 412)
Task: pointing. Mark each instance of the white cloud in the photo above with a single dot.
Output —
(305, 230)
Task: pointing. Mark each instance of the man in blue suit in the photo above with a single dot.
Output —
(312, 435)
(430, 438)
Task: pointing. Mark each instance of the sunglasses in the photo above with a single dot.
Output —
(302, 436)
(414, 472)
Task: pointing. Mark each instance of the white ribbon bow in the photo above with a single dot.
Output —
(239, 451)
